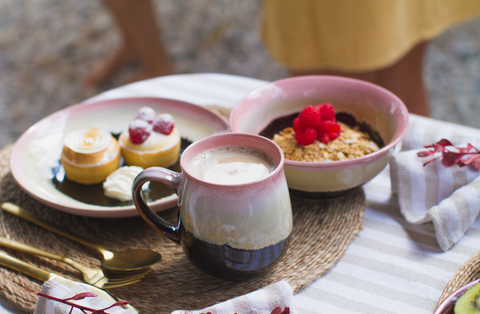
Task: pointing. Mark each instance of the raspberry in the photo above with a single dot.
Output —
(328, 131)
(327, 112)
(308, 136)
(324, 138)
(139, 131)
(310, 116)
(146, 114)
(164, 124)
(298, 126)
(334, 132)
(324, 127)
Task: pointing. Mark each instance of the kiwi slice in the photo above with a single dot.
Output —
(469, 302)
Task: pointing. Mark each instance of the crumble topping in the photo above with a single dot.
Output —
(351, 143)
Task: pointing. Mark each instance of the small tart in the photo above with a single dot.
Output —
(158, 150)
(90, 155)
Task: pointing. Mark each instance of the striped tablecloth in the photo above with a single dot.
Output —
(392, 266)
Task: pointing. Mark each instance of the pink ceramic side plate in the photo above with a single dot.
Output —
(37, 153)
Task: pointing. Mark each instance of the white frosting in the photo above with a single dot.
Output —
(88, 140)
(155, 141)
(119, 183)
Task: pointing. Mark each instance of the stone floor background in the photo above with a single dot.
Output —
(47, 46)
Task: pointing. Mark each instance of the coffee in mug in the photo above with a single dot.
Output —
(231, 165)
(235, 215)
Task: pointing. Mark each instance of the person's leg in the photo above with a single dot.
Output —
(405, 79)
(109, 66)
(141, 41)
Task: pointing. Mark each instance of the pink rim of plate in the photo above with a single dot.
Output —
(219, 123)
(447, 305)
(402, 119)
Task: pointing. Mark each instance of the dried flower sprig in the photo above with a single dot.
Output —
(461, 156)
(82, 308)
(278, 310)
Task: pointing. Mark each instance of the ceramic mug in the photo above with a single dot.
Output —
(230, 231)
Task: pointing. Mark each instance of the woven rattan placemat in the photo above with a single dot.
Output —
(468, 272)
(322, 231)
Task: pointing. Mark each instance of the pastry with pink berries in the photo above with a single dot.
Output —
(151, 140)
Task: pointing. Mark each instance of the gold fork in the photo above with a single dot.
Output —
(92, 276)
(43, 275)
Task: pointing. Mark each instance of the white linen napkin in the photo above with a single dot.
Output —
(448, 197)
(61, 288)
(263, 301)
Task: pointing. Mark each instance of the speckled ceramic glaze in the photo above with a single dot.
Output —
(368, 103)
(230, 231)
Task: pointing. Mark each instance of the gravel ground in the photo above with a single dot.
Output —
(48, 46)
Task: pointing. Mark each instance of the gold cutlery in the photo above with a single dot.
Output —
(92, 276)
(42, 275)
(134, 260)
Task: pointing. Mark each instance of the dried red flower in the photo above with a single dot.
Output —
(278, 310)
(82, 296)
(461, 156)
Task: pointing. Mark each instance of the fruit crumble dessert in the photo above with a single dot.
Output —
(316, 136)
(151, 140)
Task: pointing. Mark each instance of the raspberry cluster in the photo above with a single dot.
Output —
(316, 123)
(147, 121)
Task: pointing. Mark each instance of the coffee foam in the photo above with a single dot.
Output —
(231, 165)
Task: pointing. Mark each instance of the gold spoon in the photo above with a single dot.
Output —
(121, 261)
(43, 275)
(93, 276)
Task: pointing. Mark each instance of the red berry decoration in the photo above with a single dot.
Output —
(310, 116)
(334, 131)
(319, 121)
(298, 126)
(323, 127)
(327, 112)
(139, 131)
(146, 114)
(327, 126)
(324, 138)
(164, 124)
(307, 136)
(328, 131)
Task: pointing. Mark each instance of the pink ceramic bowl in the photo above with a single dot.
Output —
(378, 108)
(447, 305)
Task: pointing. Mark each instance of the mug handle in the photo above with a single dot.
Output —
(170, 178)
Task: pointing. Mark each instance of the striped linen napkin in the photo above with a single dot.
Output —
(448, 197)
(277, 296)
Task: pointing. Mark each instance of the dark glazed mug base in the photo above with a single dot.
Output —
(228, 263)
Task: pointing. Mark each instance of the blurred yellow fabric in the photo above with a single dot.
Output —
(355, 35)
